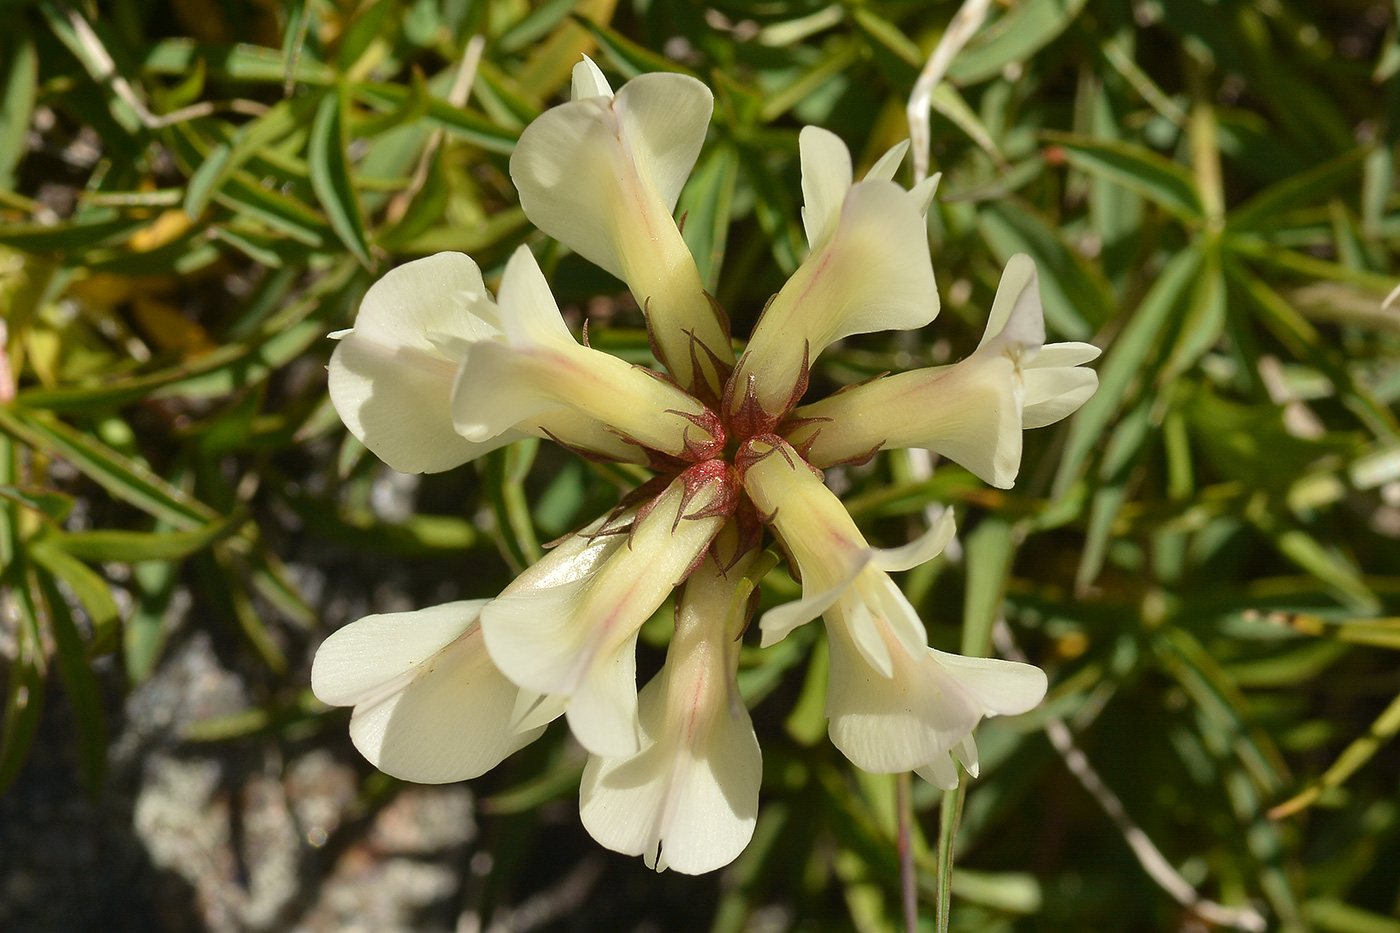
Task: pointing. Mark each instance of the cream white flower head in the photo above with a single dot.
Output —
(436, 372)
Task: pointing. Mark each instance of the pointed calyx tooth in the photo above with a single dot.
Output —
(710, 441)
(757, 449)
(745, 410)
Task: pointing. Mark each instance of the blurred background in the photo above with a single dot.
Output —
(1204, 559)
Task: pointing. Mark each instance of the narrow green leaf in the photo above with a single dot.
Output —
(240, 62)
(1201, 326)
(705, 204)
(459, 122)
(87, 585)
(1352, 758)
(1270, 206)
(1076, 302)
(330, 175)
(54, 506)
(1013, 38)
(1124, 363)
(133, 546)
(24, 688)
(1138, 168)
(124, 478)
(991, 549)
(629, 57)
(21, 82)
(79, 683)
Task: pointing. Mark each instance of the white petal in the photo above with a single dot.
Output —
(888, 163)
(439, 294)
(778, 622)
(966, 752)
(1053, 394)
(529, 314)
(1004, 688)
(584, 169)
(689, 798)
(854, 614)
(940, 772)
(919, 551)
(398, 402)
(589, 81)
(602, 712)
(450, 724)
(826, 177)
(887, 725)
(924, 191)
(389, 378)
(873, 273)
(369, 657)
(429, 704)
(1066, 354)
(969, 412)
(886, 600)
(1016, 316)
(665, 117)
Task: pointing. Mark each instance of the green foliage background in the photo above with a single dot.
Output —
(1205, 558)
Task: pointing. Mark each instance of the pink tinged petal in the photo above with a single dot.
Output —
(602, 177)
(540, 371)
(390, 377)
(826, 177)
(969, 413)
(589, 81)
(873, 273)
(689, 798)
(577, 638)
(429, 704)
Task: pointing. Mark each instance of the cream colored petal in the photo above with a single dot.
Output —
(589, 81)
(451, 723)
(887, 725)
(940, 772)
(854, 615)
(689, 798)
(602, 712)
(777, 623)
(919, 551)
(888, 163)
(541, 369)
(892, 608)
(1053, 394)
(370, 657)
(429, 704)
(873, 273)
(1003, 688)
(389, 377)
(924, 191)
(529, 314)
(577, 638)
(966, 752)
(398, 402)
(441, 294)
(1016, 318)
(826, 177)
(665, 118)
(969, 413)
(1066, 354)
